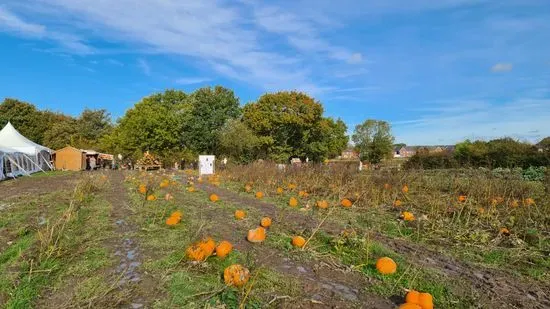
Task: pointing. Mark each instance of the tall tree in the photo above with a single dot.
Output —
(25, 118)
(291, 124)
(238, 141)
(211, 108)
(93, 124)
(373, 139)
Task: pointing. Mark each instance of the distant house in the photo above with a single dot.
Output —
(409, 151)
(349, 154)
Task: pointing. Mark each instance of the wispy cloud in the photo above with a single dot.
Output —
(10, 22)
(144, 66)
(502, 67)
(192, 80)
(114, 62)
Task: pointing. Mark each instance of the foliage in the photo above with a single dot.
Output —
(291, 124)
(373, 139)
(238, 141)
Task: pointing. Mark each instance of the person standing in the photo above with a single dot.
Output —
(92, 163)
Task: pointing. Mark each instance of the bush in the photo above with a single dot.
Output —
(534, 173)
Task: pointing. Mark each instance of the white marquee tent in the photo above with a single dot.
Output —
(21, 156)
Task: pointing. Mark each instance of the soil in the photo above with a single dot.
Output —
(496, 289)
(36, 185)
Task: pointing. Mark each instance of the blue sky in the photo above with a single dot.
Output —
(439, 71)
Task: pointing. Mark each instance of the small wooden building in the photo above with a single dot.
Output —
(70, 159)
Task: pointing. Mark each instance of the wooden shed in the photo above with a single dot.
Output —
(70, 159)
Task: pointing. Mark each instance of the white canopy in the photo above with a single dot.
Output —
(11, 138)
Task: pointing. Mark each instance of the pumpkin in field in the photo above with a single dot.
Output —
(397, 203)
(142, 189)
(177, 214)
(248, 188)
(323, 204)
(214, 197)
(346, 203)
(265, 222)
(292, 186)
(387, 186)
(514, 203)
(172, 221)
(412, 297)
(386, 266)
(292, 202)
(462, 198)
(208, 245)
(409, 306)
(298, 241)
(407, 216)
(280, 190)
(164, 183)
(236, 275)
(259, 195)
(191, 189)
(151, 197)
(528, 202)
(240, 214)
(256, 235)
(405, 189)
(223, 249)
(504, 231)
(303, 193)
(426, 301)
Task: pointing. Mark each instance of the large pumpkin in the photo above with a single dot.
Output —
(265, 222)
(240, 214)
(346, 203)
(236, 275)
(256, 235)
(298, 241)
(293, 202)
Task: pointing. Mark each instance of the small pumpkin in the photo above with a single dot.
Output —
(172, 221)
(280, 190)
(386, 266)
(462, 198)
(346, 203)
(298, 241)
(142, 189)
(504, 231)
(405, 189)
(223, 249)
(214, 197)
(151, 197)
(265, 222)
(236, 275)
(256, 235)
(293, 202)
(164, 183)
(409, 306)
(259, 195)
(407, 216)
(191, 189)
(397, 203)
(240, 214)
(208, 245)
(323, 204)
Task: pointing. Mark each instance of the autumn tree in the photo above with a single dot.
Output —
(373, 139)
(237, 141)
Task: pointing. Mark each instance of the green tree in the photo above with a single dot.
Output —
(373, 140)
(25, 118)
(544, 144)
(292, 124)
(92, 125)
(238, 141)
(62, 133)
(211, 108)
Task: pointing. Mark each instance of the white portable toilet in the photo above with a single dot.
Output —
(206, 165)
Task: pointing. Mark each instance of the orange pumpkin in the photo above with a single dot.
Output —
(256, 235)
(397, 203)
(425, 300)
(177, 214)
(265, 222)
(412, 297)
(514, 203)
(409, 306)
(240, 214)
(302, 193)
(407, 216)
(528, 202)
(164, 183)
(195, 253)
(223, 249)
(172, 221)
(208, 245)
(293, 202)
(142, 189)
(462, 198)
(151, 197)
(280, 190)
(214, 197)
(386, 266)
(236, 275)
(346, 203)
(405, 189)
(259, 195)
(191, 189)
(248, 188)
(323, 204)
(387, 186)
(504, 231)
(291, 186)
(298, 241)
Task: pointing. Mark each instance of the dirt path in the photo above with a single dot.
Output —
(140, 288)
(496, 288)
(36, 185)
(325, 284)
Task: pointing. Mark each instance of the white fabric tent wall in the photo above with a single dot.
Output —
(14, 163)
(28, 156)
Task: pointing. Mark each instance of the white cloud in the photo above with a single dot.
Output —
(114, 62)
(10, 22)
(502, 67)
(144, 66)
(355, 58)
(192, 80)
